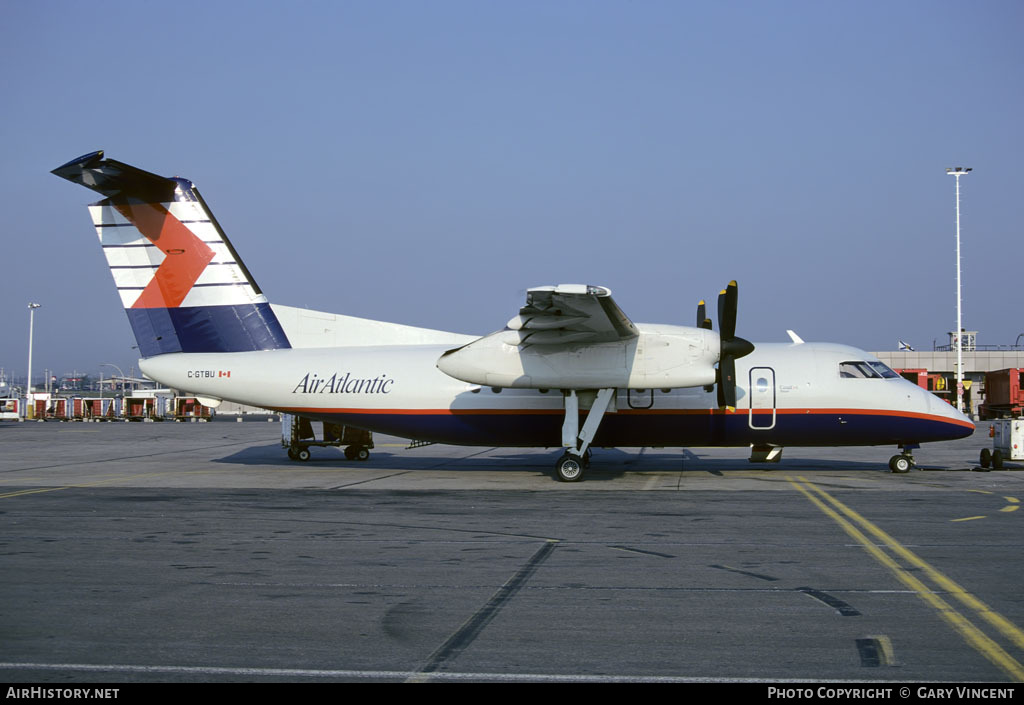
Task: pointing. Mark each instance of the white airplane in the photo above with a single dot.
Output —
(570, 369)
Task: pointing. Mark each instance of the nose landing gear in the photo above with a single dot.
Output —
(905, 460)
(901, 463)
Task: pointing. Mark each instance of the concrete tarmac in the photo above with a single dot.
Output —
(198, 552)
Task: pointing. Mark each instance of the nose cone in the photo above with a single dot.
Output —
(959, 425)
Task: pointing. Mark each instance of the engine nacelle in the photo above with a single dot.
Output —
(661, 357)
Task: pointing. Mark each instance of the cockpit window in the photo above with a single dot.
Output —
(856, 370)
(859, 369)
(882, 369)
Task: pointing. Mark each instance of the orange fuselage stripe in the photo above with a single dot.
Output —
(638, 412)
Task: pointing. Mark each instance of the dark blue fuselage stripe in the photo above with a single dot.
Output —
(654, 429)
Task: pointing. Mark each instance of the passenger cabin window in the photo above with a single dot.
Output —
(859, 369)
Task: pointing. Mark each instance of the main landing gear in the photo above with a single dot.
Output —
(570, 467)
(576, 441)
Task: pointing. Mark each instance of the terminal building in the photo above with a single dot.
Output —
(935, 370)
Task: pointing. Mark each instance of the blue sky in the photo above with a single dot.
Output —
(427, 162)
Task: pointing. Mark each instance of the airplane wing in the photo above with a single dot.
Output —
(571, 313)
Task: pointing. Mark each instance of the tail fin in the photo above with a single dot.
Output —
(182, 284)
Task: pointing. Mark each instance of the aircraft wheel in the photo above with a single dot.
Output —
(586, 458)
(900, 463)
(362, 453)
(293, 453)
(303, 454)
(986, 457)
(997, 459)
(569, 468)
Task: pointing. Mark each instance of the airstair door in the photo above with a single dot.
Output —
(762, 398)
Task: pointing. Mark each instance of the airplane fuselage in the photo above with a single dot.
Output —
(787, 395)
(569, 369)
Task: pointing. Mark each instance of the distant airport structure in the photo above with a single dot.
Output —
(935, 369)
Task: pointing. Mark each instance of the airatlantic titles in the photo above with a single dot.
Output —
(343, 384)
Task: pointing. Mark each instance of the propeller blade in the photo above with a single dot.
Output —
(727, 302)
(702, 316)
(727, 382)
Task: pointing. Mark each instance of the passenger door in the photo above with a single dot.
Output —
(761, 392)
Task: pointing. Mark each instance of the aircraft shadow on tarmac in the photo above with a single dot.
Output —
(607, 464)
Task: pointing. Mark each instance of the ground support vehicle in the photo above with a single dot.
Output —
(1004, 394)
(1007, 443)
(298, 436)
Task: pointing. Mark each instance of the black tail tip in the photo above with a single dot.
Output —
(78, 164)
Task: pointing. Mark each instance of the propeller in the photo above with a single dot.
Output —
(732, 346)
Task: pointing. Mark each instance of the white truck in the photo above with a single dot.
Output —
(1007, 443)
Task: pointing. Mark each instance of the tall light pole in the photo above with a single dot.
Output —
(30, 406)
(111, 364)
(957, 172)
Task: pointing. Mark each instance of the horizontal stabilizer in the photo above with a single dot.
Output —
(116, 179)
